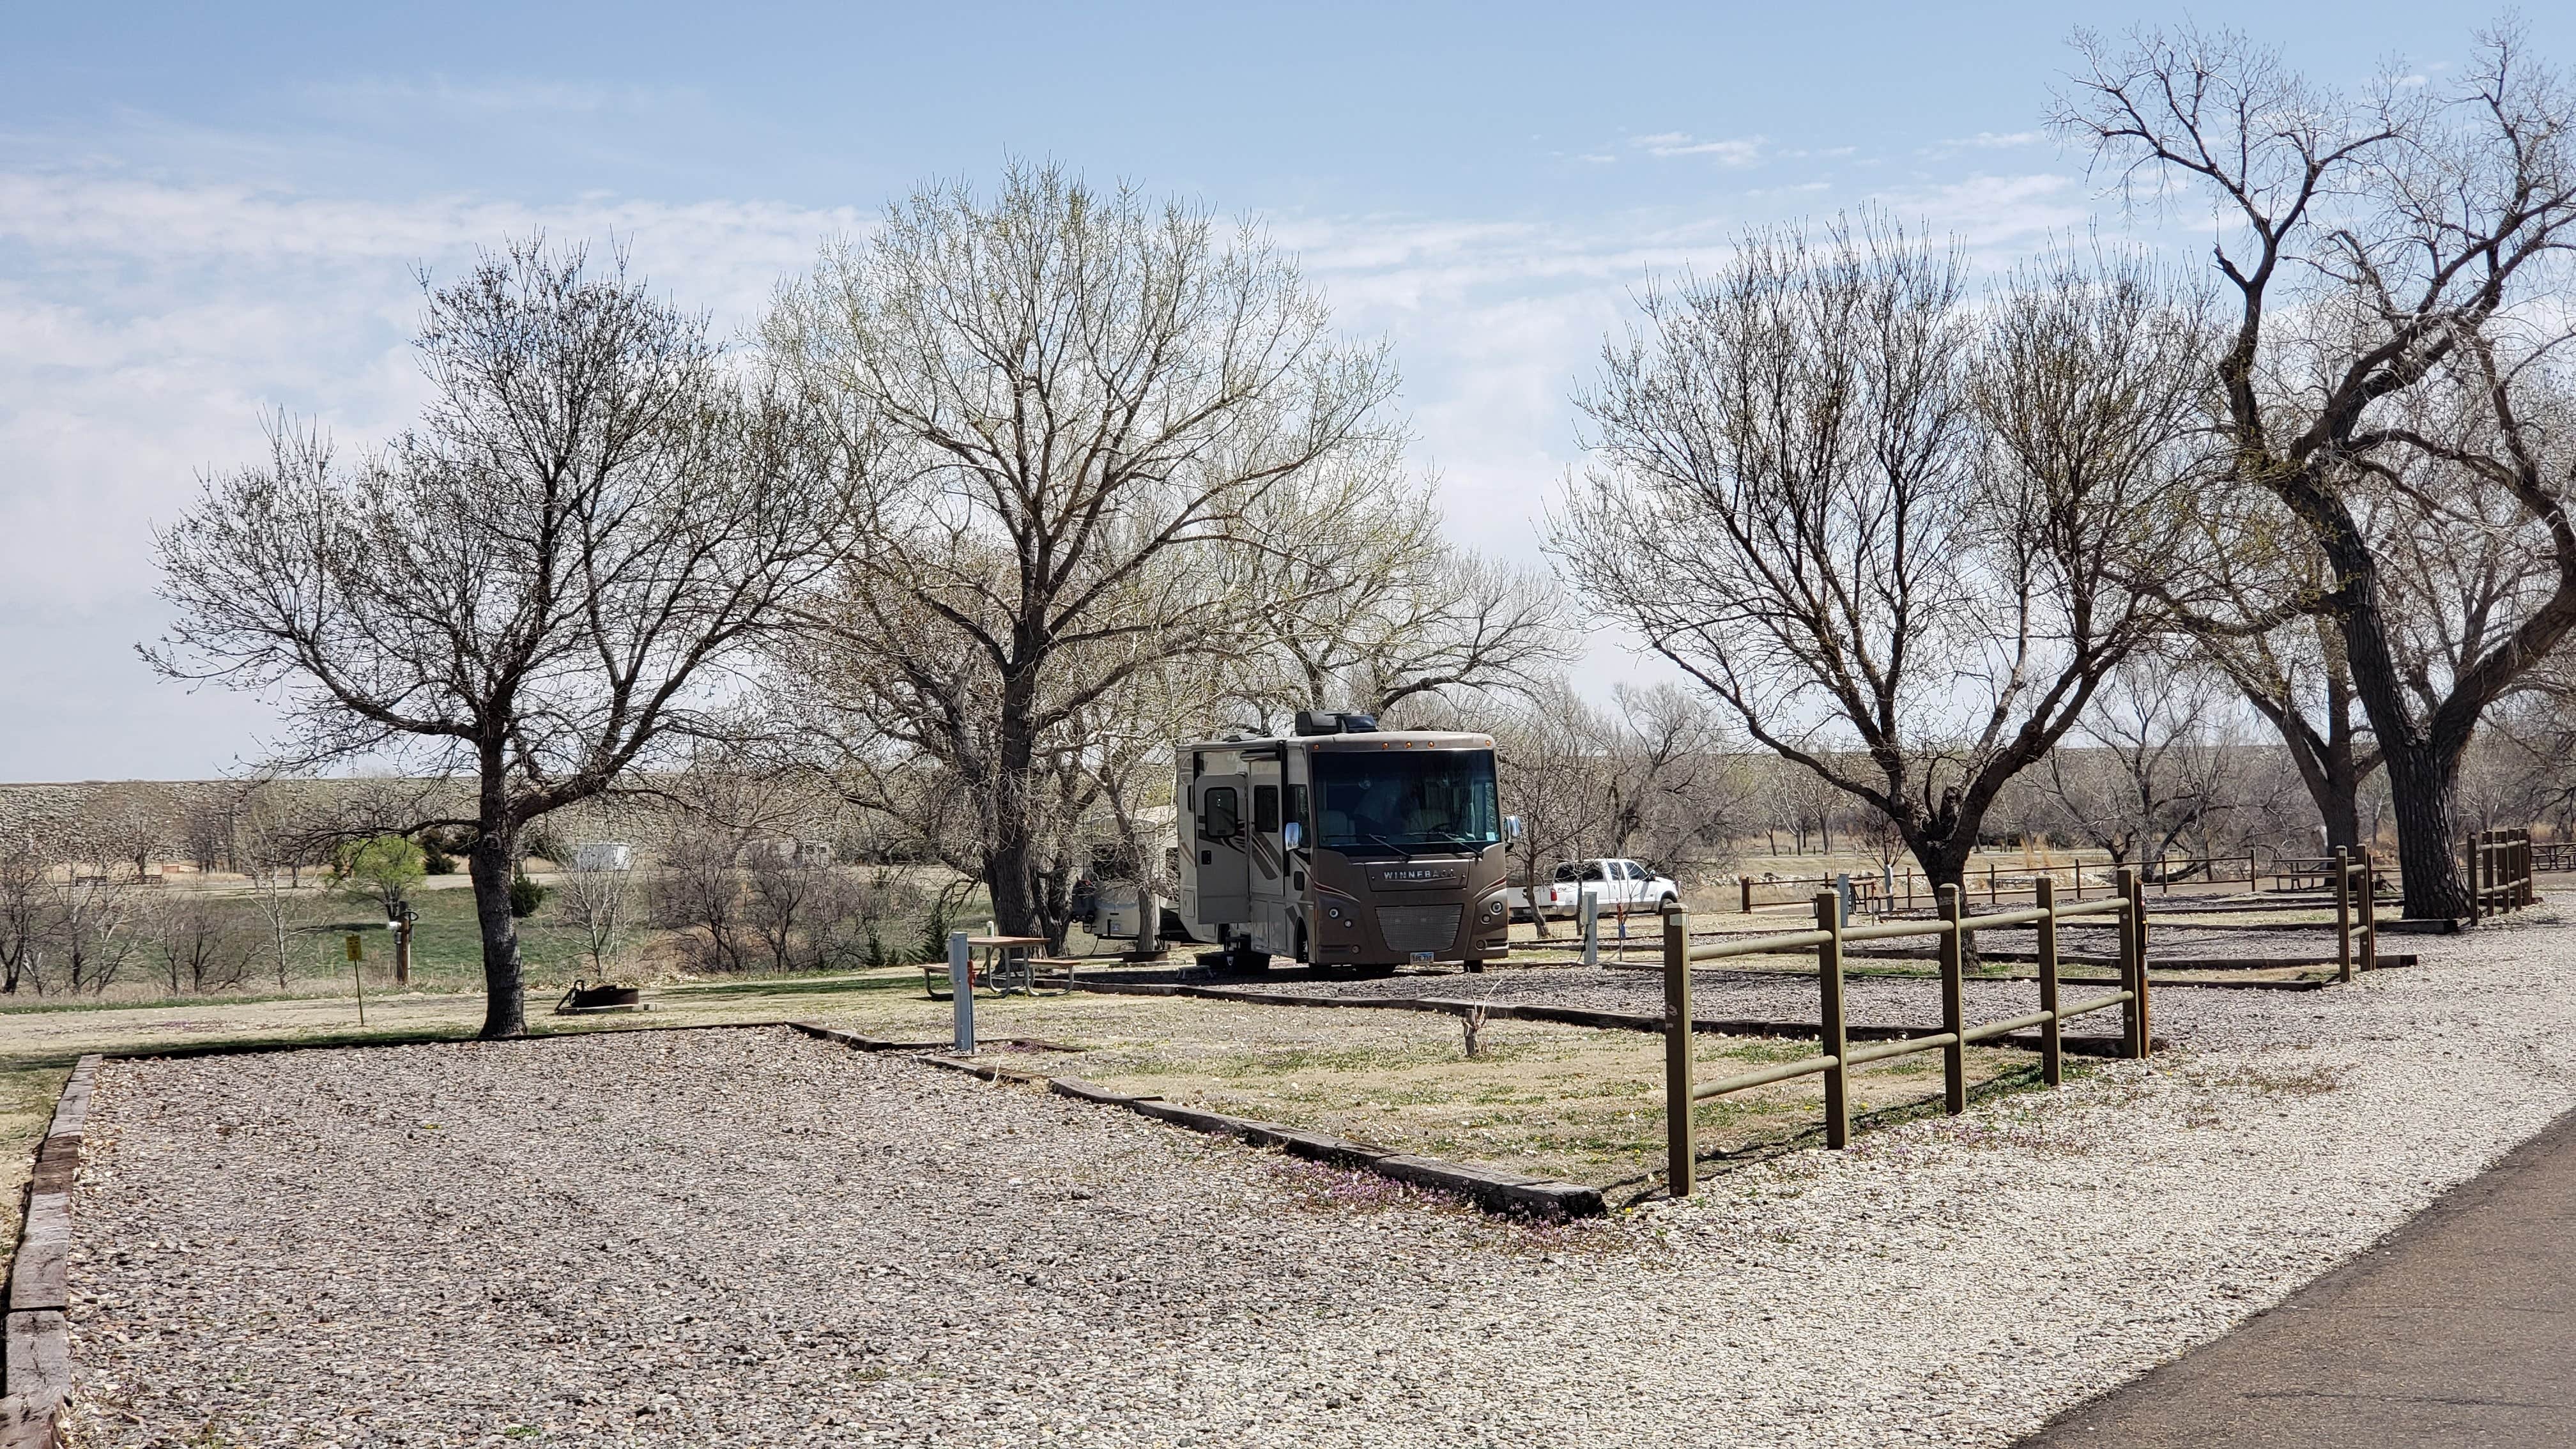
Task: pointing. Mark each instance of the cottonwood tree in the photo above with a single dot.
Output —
(1893, 535)
(1081, 395)
(2287, 663)
(2394, 258)
(543, 585)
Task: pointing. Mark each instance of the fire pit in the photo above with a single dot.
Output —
(604, 997)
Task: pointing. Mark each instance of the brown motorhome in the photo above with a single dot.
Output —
(1344, 845)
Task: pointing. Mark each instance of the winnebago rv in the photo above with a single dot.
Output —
(1344, 845)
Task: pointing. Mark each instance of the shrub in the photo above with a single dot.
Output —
(525, 895)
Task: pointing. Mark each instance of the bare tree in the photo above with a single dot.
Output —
(1081, 394)
(2394, 257)
(598, 901)
(1894, 539)
(793, 903)
(25, 897)
(275, 845)
(1667, 781)
(1548, 767)
(200, 941)
(2152, 765)
(1371, 607)
(543, 585)
(698, 895)
(89, 922)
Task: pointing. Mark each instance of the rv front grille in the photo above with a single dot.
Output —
(1419, 928)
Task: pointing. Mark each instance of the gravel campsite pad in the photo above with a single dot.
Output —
(749, 1237)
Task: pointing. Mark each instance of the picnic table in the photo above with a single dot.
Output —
(1006, 964)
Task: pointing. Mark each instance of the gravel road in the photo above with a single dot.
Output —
(747, 1237)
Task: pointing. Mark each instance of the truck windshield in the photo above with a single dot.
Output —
(1405, 800)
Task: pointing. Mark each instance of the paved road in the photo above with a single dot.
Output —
(2457, 1330)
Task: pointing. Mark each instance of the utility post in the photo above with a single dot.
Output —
(961, 992)
(403, 920)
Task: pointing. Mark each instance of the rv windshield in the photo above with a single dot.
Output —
(1405, 800)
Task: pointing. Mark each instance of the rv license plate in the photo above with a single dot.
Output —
(1424, 957)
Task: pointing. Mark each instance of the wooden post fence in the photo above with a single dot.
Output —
(1837, 1055)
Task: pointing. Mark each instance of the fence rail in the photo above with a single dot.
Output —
(1889, 889)
(1954, 930)
(2501, 864)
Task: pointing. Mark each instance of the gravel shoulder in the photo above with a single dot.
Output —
(746, 1237)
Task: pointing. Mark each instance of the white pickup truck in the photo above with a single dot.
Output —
(1618, 883)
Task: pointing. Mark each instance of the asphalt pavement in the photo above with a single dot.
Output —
(2457, 1329)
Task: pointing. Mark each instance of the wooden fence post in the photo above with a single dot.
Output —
(2369, 912)
(2469, 853)
(1954, 1013)
(2343, 911)
(2051, 1069)
(1990, 883)
(1829, 999)
(1679, 1152)
(1745, 885)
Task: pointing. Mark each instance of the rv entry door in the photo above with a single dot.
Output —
(1224, 844)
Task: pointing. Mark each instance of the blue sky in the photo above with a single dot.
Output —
(211, 213)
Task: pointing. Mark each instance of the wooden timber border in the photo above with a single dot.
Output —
(38, 1378)
(1486, 1187)
(1682, 1094)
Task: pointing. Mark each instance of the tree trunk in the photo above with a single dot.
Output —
(493, 859)
(1943, 863)
(1529, 887)
(2422, 782)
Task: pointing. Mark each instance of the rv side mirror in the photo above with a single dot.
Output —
(1292, 834)
(1511, 827)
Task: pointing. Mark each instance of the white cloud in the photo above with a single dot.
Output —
(1735, 152)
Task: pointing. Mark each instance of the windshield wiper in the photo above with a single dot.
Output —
(1391, 845)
